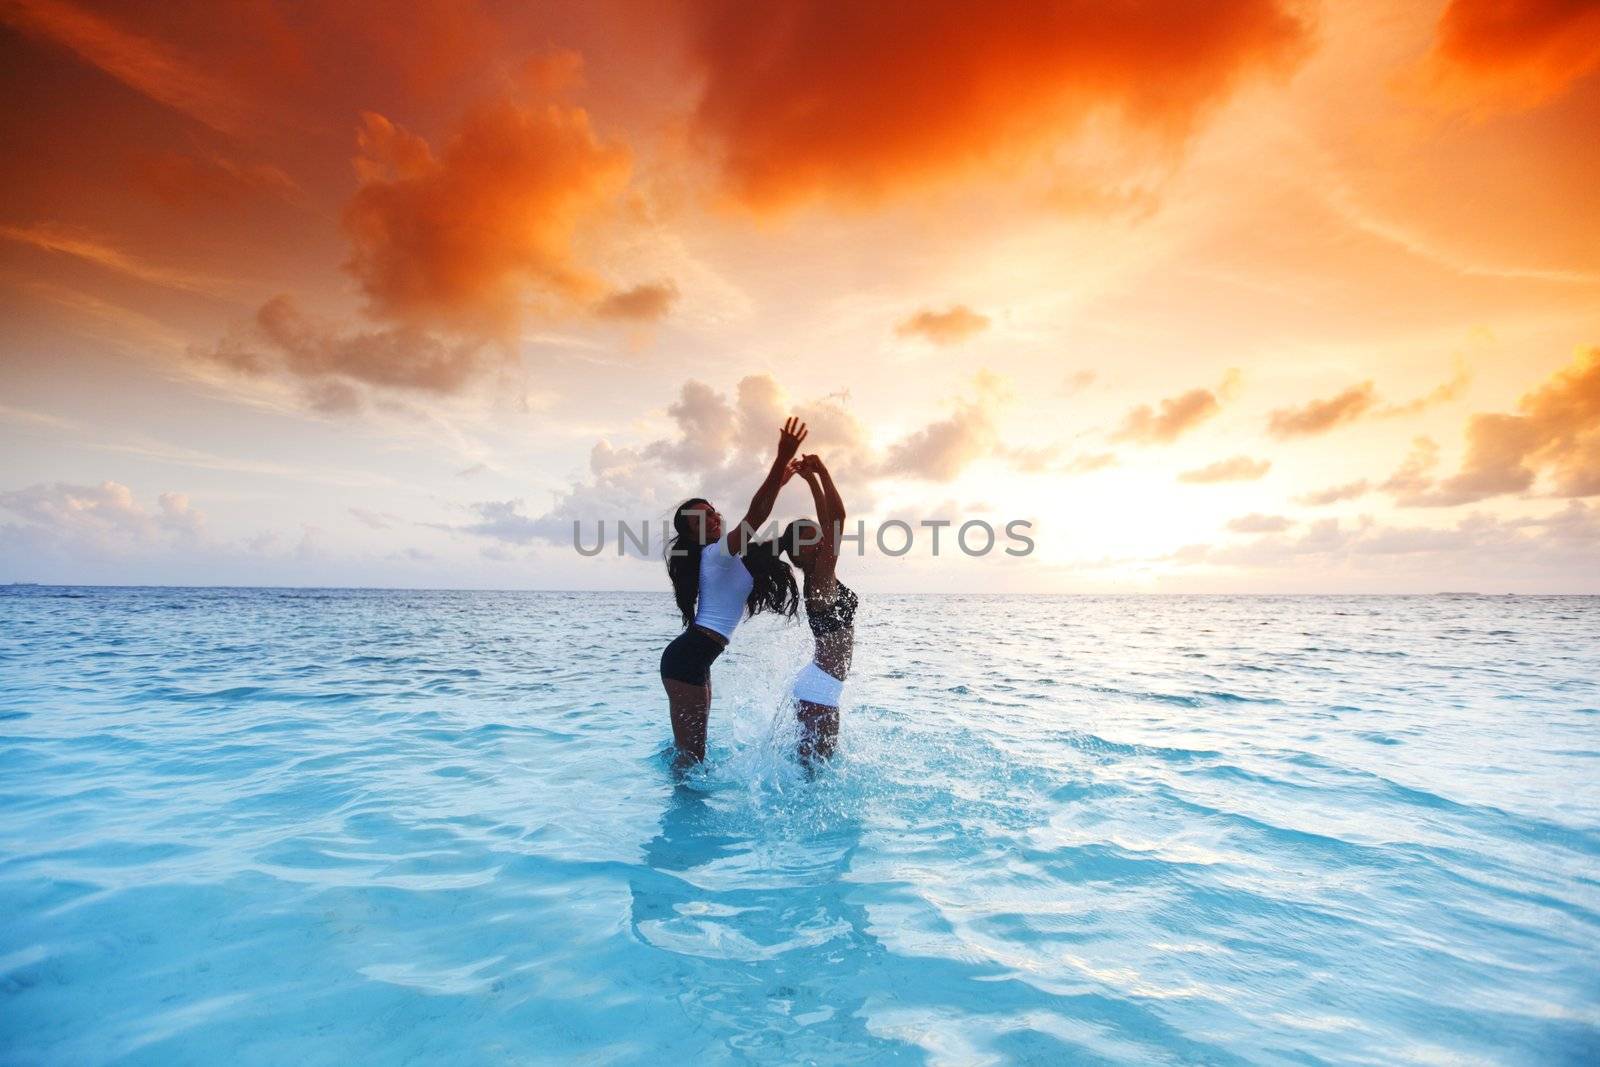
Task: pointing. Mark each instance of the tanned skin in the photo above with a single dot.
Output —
(817, 560)
(690, 705)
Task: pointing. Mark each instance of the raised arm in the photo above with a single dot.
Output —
(820, 580)
(835, 502)
(807, 468)
(789, 438)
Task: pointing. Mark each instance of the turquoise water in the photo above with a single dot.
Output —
(327, 827)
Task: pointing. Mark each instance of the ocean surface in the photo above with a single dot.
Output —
(336, 827)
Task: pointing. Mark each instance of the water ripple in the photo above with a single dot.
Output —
(268, 826)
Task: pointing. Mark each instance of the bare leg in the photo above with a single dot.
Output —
(819, 730)
(691, 706)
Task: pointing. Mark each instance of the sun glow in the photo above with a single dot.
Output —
(1303, 307)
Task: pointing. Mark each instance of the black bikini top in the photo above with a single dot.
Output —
(839, 615)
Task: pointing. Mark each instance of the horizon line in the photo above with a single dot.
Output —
(667, 592)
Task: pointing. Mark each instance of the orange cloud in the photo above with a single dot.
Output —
(92, 249)
(1561, 544)
(1440, 394)
(470, 238)
(437, 43)
(856, 101)
(256, 69)
(142, 63)
(1320, 416)
(1334, 494)
(1414, 477)
(1031, 460)
(283, 338)
(942, 450)
(181, 180)
(1512, 54)
(1257, 523)
(642, 303)
(1078, 381)
(1043, 460)
(1557, 436)
(1089, 462)
(1178, 415)
(948, 327)
(1234, 469)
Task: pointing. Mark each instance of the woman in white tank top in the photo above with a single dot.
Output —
(719, 577)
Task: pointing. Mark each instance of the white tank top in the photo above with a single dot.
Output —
(724, 583)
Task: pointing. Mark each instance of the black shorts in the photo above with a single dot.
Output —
(688, 658)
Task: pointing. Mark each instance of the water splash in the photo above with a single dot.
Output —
(346, 826)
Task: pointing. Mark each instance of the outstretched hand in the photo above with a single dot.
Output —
(789, 438)
(810, 464)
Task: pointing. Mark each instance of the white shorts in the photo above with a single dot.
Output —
(817, 686)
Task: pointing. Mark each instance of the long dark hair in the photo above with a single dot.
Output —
(790, 538)
(683, 557)
(773, 589)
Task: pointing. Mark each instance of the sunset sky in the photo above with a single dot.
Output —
(1223, 295)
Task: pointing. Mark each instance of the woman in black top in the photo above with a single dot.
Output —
(830, 608)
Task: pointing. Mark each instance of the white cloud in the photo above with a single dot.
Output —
(96, 520)
(721, 450)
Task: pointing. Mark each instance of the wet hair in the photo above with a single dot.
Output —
(774, 589)
(683, 556)
(790, 538)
